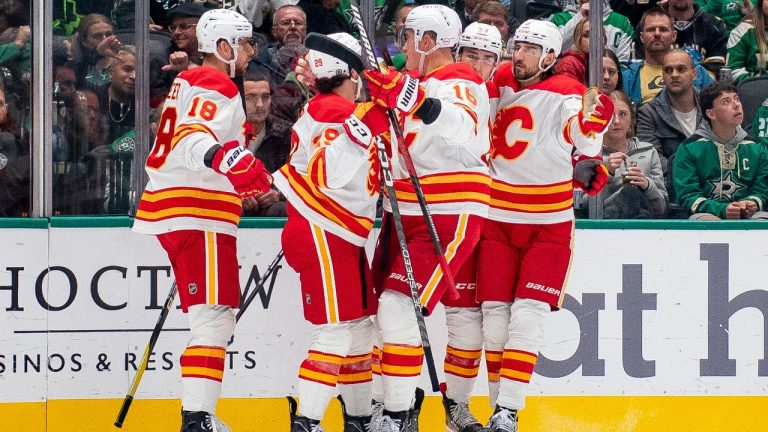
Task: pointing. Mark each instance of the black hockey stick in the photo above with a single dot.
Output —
(382, 26)
(325, 44)
(370, 60)
(249, 297)
(145, 358)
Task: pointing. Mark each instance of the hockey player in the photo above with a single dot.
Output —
(540, 121)
(331, 182)
(479, 46)
(445, 122)
(199, 172)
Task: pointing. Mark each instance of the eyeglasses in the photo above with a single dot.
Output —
(288, 22)
(182, 27)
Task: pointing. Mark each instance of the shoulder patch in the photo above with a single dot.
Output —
(210, 79)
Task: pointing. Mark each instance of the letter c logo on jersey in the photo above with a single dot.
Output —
(510, 142)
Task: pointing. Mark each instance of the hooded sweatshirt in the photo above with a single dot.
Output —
(709, 174)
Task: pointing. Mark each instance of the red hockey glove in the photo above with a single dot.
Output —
(596, 112)
(368, 121)
(246, 173)
(589, 174)
(393, 89)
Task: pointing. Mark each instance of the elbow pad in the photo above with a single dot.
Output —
(429, 110)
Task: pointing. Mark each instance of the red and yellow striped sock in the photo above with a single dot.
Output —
(518, 365)
(203, 362)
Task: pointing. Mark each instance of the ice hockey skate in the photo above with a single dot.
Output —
(301, 423)
(458, 418)
(503, 420)
(412, 422)
(354, 423)
(201, 421)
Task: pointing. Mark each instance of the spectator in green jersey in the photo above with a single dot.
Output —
(748, 44)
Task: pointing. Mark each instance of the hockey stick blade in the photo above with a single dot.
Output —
(324, 44)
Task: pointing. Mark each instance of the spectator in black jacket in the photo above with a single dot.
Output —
(674, 114)
(269, 142)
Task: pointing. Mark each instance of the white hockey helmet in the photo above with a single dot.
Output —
(483, 37)
(327, 66)
(440, 19)
(542, 33)
(217, 24)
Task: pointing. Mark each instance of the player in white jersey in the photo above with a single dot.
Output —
(480, 46)
(331, 182)
(199, 172)
(445, 123)
(526, 246)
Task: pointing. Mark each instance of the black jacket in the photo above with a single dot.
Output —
(657, 124)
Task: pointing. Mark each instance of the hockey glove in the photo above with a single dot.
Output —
(589, 174)
(596, 112)
(246, 173)
(366, 122)
(393, 89)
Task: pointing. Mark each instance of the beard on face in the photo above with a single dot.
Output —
(523, 73)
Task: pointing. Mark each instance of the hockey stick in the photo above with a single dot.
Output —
(259, 285)
(313, 41)
(380, 32)
(145, 358)
(402, 148)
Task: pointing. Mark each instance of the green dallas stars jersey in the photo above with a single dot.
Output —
(618, 31)
(727, 10)
(743, 53)
(760, 126)
(708, 176)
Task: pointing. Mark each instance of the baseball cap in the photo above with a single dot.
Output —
(184, 10)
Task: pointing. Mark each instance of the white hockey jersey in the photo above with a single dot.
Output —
(449, 155)
(330, 180)
(203, 108)
(534, 134)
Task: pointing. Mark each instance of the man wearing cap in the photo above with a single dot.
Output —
(184, 18)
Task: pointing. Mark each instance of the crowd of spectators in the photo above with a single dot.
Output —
(659, 56)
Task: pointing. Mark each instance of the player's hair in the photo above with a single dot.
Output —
(713, 91)
(258, 77)
(328, 85)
